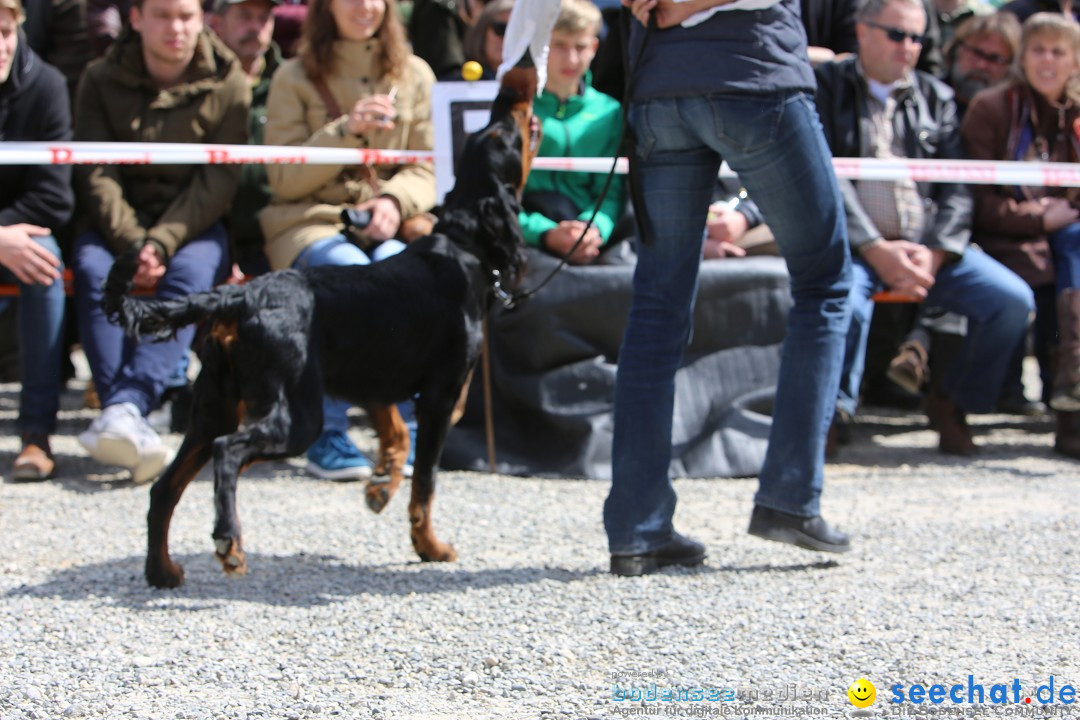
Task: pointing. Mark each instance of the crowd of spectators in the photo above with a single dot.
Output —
(896, 78)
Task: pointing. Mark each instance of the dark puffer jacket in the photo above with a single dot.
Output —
(34, 107)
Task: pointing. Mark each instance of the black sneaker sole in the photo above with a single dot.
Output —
(791, 536)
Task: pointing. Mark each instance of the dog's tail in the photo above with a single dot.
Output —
(159, 319)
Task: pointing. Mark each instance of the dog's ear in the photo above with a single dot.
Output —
(501, 233)
(519, 85)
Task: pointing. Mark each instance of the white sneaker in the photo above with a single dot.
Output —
(112, 439)
(152, 460)
(121, 436)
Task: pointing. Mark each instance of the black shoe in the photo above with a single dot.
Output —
(810, 533)
(680, 551)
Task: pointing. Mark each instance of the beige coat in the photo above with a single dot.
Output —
(118, 102)
(308, 199)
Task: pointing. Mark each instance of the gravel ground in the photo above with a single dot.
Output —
(960, 568)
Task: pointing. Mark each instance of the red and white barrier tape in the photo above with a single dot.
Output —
(78, 153)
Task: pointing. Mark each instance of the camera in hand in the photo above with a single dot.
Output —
(355, 219)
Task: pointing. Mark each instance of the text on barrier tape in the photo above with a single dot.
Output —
(982, 172)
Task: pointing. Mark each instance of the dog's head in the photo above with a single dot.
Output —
(489, 178)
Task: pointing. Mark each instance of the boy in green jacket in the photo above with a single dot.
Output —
(578, 121)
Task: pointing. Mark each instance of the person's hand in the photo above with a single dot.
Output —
(375, 112)
(719, 249)
(385, 217)
(559, 239)
(29, 262)
(725, 224)
(1057, 213)
(151, 268)
(907, 268)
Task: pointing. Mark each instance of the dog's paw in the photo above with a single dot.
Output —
(378, 495)
(436, 551)
(232, 558)
(171, 576)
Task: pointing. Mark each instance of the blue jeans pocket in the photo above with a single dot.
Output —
(752, 124)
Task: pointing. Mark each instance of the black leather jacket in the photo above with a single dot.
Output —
(928, 122)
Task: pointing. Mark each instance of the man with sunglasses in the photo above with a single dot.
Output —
(912, 238)
(980, 54)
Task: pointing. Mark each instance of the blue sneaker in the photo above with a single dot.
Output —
(334, 457)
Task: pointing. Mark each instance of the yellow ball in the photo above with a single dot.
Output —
(472, 71)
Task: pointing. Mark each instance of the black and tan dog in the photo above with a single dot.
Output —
(374, 335)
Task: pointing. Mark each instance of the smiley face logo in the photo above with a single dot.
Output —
(862, 693)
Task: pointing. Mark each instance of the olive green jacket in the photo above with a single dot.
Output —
(119, 102)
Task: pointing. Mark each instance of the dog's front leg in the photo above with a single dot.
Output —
(429, 440)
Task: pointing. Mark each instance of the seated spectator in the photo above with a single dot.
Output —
(1036, 230)
(354, 85)
(913, 238)
(578, 121)
(165, 79)
(980, 54)
(483, 41)
(56, 30)
(34, 201)
(246, 27)
(437, 31)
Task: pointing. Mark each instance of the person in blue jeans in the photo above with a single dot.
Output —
(34, 202)
(165, 79)
(736, 86)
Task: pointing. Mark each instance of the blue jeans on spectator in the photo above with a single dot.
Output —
(126, 370)
(338, 250)
(997, 304)
(1065, 244)
(775, 144)
(41, 347)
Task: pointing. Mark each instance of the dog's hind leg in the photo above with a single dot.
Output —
(270, 437)
(161, 571)
(393, 453)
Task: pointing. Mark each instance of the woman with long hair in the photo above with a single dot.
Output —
(354, 84)
(1035, 231)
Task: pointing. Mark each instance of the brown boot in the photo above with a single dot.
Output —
(35, 462)
(1066, 395)
(948, 419)
(1067, 437)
